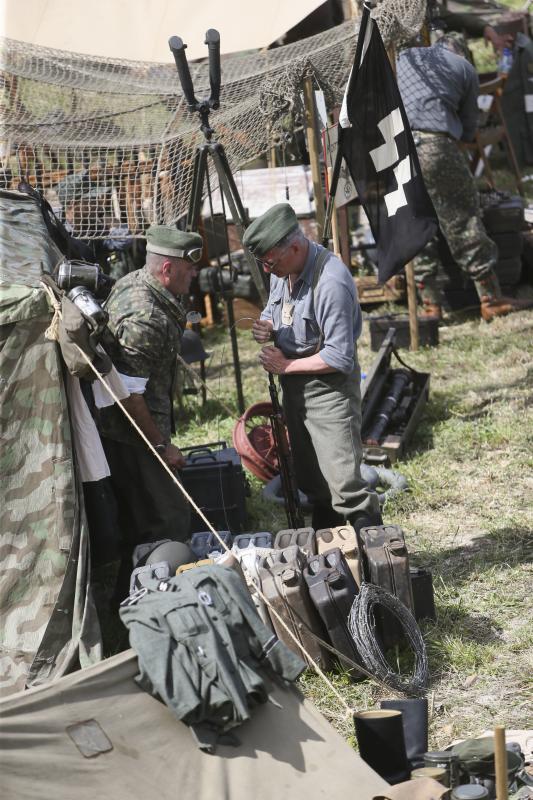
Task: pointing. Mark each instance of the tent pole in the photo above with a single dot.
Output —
(311, 128)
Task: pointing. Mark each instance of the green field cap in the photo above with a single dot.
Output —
(166, 241)
(267, 230)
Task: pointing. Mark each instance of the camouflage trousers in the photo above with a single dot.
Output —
(454, 195)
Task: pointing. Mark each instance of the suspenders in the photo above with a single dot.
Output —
(320, 263)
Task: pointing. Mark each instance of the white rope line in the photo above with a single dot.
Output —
(50, 335)
(203, 383)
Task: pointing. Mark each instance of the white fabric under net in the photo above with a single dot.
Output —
(111, 143)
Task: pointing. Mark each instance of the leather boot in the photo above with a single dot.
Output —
(415, 726)
(492, 307)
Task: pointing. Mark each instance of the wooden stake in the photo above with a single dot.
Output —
(500, 763)
(314, 151)
(335, 226)
(411, 305)
(335, 235)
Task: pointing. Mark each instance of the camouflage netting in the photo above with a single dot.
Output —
(112, 141)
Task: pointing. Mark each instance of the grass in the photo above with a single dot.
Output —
(468, 516)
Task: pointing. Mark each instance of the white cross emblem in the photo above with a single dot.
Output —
(386, 155)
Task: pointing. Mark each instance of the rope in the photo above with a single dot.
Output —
(192, 372)
(362, 625)
(320, 673)
(52, 332)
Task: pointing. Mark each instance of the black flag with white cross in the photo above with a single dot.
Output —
(377, 145)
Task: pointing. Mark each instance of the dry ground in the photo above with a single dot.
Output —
(468, 516)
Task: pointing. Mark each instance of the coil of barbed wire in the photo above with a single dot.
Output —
(362, 625)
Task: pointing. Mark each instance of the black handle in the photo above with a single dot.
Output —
(201, 455)
(212, 40)
(178, 51)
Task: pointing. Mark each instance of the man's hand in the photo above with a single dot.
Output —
(262, 330)
(174, 457)
(499, 42)
(273, 360)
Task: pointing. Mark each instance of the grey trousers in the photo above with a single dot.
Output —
(323, 416)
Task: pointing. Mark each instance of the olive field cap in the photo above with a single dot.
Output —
(166, 241)
(267, 230)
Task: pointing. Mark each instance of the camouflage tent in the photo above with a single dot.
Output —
(48, 621)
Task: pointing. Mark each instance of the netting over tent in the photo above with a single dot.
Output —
(112, 142)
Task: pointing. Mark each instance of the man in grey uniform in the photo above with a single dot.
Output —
(314, 320)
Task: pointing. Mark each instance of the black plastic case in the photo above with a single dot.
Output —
(214, 477)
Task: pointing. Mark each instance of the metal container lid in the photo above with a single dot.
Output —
(440, 757)
(436, 773)
(470, 791)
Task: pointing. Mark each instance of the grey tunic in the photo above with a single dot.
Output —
(328, 318)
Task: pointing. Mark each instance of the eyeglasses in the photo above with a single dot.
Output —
(268, 263)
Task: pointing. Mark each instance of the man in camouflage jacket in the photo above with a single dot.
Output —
(146, 321)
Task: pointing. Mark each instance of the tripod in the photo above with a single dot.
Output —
(215, 151)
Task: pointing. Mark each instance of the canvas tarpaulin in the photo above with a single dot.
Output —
(287, 750)
(48, 623)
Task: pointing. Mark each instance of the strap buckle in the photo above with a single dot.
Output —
(134, 598)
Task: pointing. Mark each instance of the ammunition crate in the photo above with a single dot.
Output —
(403, 424)
(428, 330)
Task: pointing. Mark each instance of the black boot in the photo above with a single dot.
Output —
(325, 517)
(367, 521)
(415, 726)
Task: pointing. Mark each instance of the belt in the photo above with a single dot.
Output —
(434, 133)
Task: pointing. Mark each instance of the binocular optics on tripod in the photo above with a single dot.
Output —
(212, 40)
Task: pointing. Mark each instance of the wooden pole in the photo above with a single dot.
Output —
(334, 221)
(411, 305)
(500, 763)
(335, 235)
(314, 152)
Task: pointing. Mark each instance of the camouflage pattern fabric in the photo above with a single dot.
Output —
(145, 323)
(48, 621)
(453, 192)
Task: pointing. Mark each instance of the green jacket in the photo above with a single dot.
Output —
(143, 339)
(202, 648)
